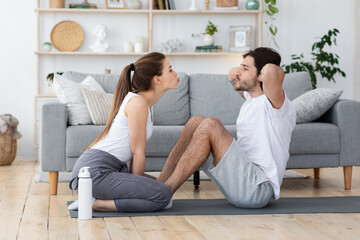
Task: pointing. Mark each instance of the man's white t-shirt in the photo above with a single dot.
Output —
(264, 134)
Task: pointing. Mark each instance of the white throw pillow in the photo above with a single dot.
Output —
(98, 104)
(313, 104)
(69, 93)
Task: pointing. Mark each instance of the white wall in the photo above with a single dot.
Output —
(299, 23)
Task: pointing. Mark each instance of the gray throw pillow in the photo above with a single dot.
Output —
(313, 104)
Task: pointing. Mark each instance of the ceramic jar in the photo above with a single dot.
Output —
(252, 4)
(209, 40)
(134, 4)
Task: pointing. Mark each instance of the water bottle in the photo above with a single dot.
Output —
(85, 194)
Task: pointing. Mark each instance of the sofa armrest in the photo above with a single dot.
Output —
(53, 135)
(346, 115)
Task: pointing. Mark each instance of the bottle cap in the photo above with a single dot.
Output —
(84, 172)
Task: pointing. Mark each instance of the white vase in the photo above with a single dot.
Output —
(193, 6)
(134, 4)
(208, 40)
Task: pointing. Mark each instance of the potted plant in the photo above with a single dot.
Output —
(325, 63)
(50, 79)
(209, 32)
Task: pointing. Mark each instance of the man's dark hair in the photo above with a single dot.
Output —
(263, 56)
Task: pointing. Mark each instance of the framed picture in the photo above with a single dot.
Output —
(115, 4)
(240, 38)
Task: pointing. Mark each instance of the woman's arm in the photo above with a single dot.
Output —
(137, 113)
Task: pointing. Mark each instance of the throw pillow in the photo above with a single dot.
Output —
(98, 104)
(313, 104)
(69, 93)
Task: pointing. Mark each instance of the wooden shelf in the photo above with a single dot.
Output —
(96, 11)
(143, 11)
(136, 54)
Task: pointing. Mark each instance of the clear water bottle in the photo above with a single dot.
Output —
(85, 194)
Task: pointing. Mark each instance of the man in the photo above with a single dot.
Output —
(249, 170)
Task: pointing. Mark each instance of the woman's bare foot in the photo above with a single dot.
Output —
(101, 205)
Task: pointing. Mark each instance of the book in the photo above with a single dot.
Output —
(161, 4)
(83, 5)
(226, 8)
(212, 48)
(166, 4)
(171, 4)
(155, 5)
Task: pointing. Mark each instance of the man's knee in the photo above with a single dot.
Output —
(211, 123)
(196, 120)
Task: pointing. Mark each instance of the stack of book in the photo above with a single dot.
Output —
(84, 5)
(212, 48)
(164, 4)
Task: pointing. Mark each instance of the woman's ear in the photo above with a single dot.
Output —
(157, 80)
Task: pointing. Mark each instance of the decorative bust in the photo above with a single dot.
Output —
(99, 45)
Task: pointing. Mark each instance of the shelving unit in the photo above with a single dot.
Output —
(150, 14)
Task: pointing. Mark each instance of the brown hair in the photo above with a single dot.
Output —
(263, 56)
(145, 68)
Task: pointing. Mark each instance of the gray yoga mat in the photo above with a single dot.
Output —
(223, 207)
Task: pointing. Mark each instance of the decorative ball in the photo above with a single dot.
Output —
(46, 47)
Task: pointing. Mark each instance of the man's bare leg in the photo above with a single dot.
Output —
(209, 136)
(179, 147)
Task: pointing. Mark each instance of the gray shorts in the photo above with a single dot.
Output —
(243, 183)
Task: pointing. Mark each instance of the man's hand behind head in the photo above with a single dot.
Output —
(271, 73)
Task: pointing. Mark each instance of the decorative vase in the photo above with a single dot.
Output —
(134, 4)
(193, 6)
(252, 5)
(208, 40)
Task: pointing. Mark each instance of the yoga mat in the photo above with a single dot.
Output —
(223, 207)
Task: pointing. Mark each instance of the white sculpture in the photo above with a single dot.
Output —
(171, 45)
(99, 45)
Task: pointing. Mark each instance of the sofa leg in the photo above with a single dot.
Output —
(347, 177)
(317, 173)
(196, 179)
(53, 181)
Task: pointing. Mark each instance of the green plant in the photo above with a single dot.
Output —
(325, 63)
(270, 12)
(50, 77)
(210, 29)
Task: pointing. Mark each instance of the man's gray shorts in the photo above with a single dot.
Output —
(243, 183)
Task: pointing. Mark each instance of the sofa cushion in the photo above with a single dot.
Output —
(213, 96)
(313, 104)
(315, 138)
(296, 84)
(107, 81)
(79, 137)
(69, 92)
(174, 108)
(98, 104)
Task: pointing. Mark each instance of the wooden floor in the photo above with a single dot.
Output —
(28, 212)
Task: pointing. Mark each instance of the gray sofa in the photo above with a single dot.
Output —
(331, 141)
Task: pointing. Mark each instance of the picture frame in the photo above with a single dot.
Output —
(115, 4)
(240, 38)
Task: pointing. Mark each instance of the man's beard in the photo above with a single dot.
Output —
(246, 86)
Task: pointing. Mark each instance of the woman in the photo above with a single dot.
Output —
(115, 187)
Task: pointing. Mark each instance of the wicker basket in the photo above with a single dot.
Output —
(226, 3)
(8, 146)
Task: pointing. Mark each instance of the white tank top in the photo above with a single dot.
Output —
(117, 140)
